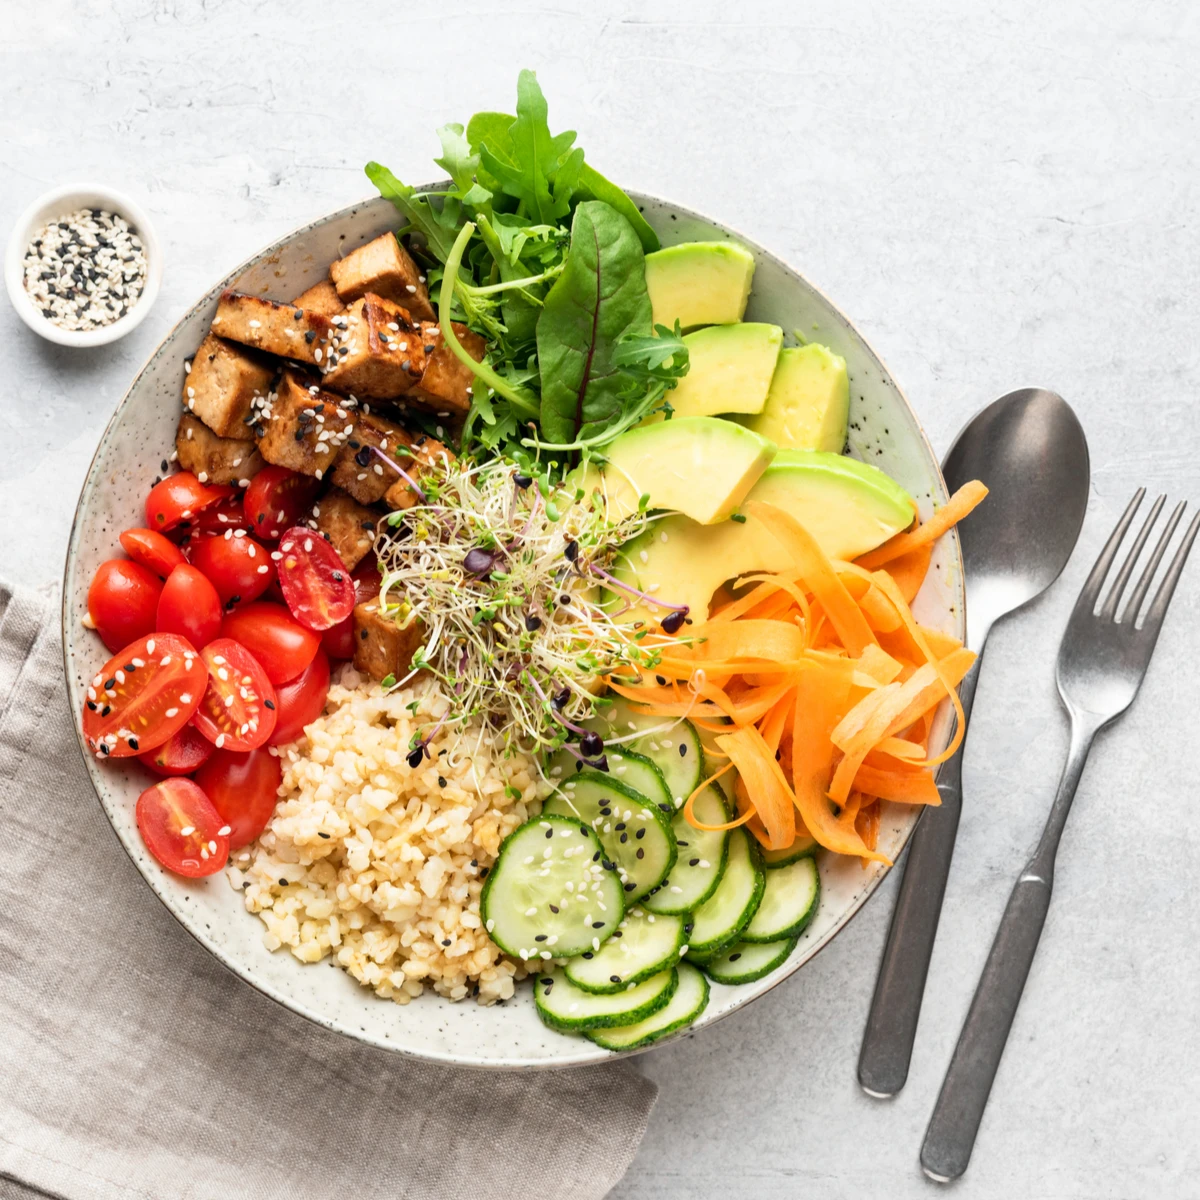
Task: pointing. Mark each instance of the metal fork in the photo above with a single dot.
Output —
(1101, 664)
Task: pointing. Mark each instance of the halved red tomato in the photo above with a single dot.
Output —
(277, 499)
(144, 695)
(177, 498)
(189, 605)
(155, 552)
(235, 564)
(224, 515)
(316, 585)
(242, 788)
(282, 645)
(301, 701)
(238, 709)
(122, 601)
(182, 828)
(180, 754)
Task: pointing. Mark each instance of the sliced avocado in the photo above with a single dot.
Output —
(808, 405)
(850, 507)
(701, 466)
(730, 372)
(699, 283)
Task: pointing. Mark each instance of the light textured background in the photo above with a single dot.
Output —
(999, 195)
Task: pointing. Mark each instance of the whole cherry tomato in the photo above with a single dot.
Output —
(281, 644)
(301, 701)
(155, 552)
(189, 605)
(277, 499)
(123, 601)
(243, 786)
(235, 564)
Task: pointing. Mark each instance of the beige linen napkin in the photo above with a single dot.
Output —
(133, 1064)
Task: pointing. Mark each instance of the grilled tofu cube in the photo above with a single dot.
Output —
(349, 527)
(383, 268)
(426, 452)
(363, 473)
(445, 385)
(381, 647)
(306, 427)
(322, 298)
(376, 350)
(279, 329)
(214, 459)
(223, 384)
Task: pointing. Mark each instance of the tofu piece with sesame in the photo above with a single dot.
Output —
(306, 427)
(214, 459)
(381, 647)
(361, 472)
(383, 268)
(426, 452)
(348, 526)
(376, 350)
(322, 298)
(445, 384)
(281, 329)
(223, 384)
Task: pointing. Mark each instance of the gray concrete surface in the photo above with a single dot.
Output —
(999, 195)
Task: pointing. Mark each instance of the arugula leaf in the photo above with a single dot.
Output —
(461, 165)
(599, 299)
(438, 225)
(663, 356)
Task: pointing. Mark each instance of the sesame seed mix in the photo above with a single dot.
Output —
(85, 270)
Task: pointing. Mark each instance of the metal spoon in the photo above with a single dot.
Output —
(1029, 448)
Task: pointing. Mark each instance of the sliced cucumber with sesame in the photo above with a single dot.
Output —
(673, 745)
(563, 1006)
(803, 847)
(701, 857)
(642, 945)
(635, 833)
(789, 902)
(633, 770)
(744, 962)
(722, 917)
(688, 1002)
(548, 894)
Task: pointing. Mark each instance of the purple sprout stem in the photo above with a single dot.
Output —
(595, 570)
(557, 715)
(412, 483)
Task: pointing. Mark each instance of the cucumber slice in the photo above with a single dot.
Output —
(635, 833)
(702, 857)
(744, 962)
(633, 770)
(548, 895)
(681, 1010)
(721, 919)
(643, 945)
(675, 750)
(802, 847)
(789, 902)
(563, 1006)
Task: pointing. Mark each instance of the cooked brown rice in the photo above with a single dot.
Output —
(382, 865)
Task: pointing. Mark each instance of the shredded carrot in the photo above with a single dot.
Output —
(689, 807)
(905, 787)
(949, 515)
(773, 801)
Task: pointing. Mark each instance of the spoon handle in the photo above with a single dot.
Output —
(891, 1028)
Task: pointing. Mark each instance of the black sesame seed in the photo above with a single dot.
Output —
(310, 336)
(445, 941)
(617, 933)
(549, 833)
(541, 937)
(619, 825)
(692, 862)
(92, 705)
(133, 743)
(584, 830)
(363, 635)
(640, 852)
(554, 908)
(641, 833)
(109, 684)
(162, 466)
(735, 957)
(597, 924)
(586, 954)
(683, 749)
(323, 835)
(679, 843)
(609, 866)
(660, 680)
(614, 979)
(624, 838)
(629, 888)
(269, 704)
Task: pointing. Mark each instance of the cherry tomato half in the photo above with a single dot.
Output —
(237, 711)
(224, 515)
(177, 498)
(338, 640)
(144, 695)
(122, 601)
(242, 787)
(315, 582)
(277, 499)
(180, 754)
(182, 829)
(282, 646)
(189, 605)
(238, 567)
(155, 552)
(301, 701)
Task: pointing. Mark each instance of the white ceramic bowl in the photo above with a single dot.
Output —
(884, 430)
(59, 203)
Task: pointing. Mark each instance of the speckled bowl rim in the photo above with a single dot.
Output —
(592, 1054)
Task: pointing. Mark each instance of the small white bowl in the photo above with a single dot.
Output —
(59, 203)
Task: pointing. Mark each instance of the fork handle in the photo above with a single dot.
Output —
(950, 1137)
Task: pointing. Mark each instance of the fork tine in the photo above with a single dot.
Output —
(1134, 606)
(1091, 587)
(1158, 608)
(1114, 596)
